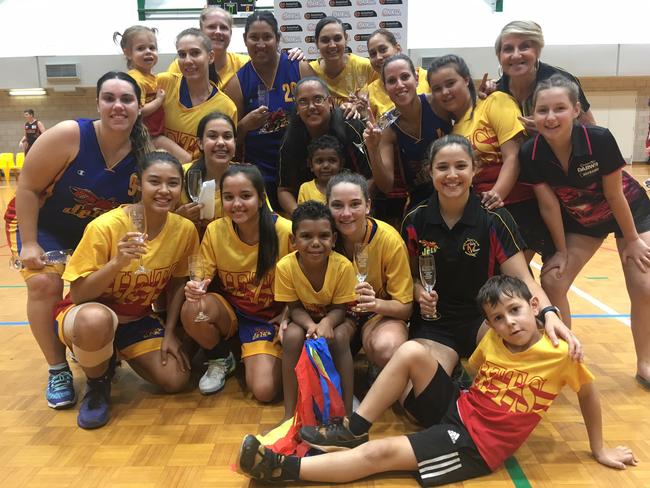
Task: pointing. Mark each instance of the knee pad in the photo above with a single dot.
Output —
(85, 358)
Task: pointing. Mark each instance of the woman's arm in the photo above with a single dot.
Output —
(48, 157)
(92, 286)
(507, 175)
(549, 209)
(381, 146)
(635, 248)
(287, 200)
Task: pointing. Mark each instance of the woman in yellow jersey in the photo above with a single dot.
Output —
(493, 127)
(385, 296)
(382, 44)
(191, 95)
(240, 251)
(216, 137)
(115, 275)
(345, 74)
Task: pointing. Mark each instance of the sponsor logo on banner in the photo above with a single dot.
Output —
(290, 5)
(390, 2)
(315, 3)
(341, 14)
(391, 12)
(361, 37)
(290, 28)
(290, 16)
(310, 39)
(365, 13)
(340, 3)
(363, 3)
(286, 38)
(362, 49)
(315, 15)
(313, 51)
(367, 25)
(390, 24)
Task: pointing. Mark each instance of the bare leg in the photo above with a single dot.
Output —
(263, 376)
(377, 456)
(638, 288)
(169, 376)
(343, 361)
(381, 339)
(580, 249)
(44, 291)
(292, 342)
(206, 334)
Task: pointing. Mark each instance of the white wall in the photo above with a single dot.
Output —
(82, 27)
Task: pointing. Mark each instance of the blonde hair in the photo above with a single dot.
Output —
(527, 28)
(213, 9)
(126, 38)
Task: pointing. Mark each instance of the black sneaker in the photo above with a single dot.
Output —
(333, 436)
(260, 463)
(94, 411)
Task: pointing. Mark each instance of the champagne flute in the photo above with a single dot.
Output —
(194, 184)
(427, 264)
(57, 256)
(361, 265)
(197, 275)
(263, 100)
(387, 119)
(137, 216)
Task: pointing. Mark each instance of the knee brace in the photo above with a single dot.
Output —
(88, 359)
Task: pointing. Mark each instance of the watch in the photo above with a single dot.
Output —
(545, 310)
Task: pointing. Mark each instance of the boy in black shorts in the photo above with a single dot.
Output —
(468, 433)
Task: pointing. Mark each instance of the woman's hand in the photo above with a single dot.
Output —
(366, 301)
(555, 328)
(31, 255)
(491, 200)
(296, 54)
(529, 125)
(487, 87)
(190, 211)
(427, 301)
(256, 118)
(350, 110)
(639, 252)
(194, 290)
(371, 136)
(171, 345)
(131, 246)
(556, 262)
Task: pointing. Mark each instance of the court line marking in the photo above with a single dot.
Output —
(516, 474)
(594, 301)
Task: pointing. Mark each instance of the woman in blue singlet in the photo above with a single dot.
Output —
(415, 127)
(75, 171)
(263, 93)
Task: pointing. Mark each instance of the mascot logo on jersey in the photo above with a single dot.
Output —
(87, 204)
(471, 247)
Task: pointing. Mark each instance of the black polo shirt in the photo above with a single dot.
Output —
(544, 72)
(465, 255)
(594, 154)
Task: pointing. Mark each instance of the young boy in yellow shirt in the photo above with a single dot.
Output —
(467, 433)
(318, 284)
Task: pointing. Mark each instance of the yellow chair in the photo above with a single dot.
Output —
(20, 159)
(7, 163)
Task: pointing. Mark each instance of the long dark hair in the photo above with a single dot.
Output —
(200, 132)
(262, 16)
(139, 136)
(268, 247)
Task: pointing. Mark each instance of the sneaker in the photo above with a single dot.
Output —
(94, 411)
(259, 462)
(333, 436)
(214, 378)
(60, 390)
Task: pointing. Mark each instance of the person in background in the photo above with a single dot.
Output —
(33, 129)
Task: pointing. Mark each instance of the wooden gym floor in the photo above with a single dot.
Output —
(156, 440)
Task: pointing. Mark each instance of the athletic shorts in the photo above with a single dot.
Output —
(532, 227)
(461, 337)
(361, 320)
(256, 335)
(155, 122)
(640, 214)
(132, 339)
(445, 451)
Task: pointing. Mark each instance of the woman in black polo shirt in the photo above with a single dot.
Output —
(314, 116)
(583, 191)
(518, 48)
(469, 244)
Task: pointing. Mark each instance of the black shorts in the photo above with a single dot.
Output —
(532, 227)
(445, 451)
(460, 336)
(640, 214)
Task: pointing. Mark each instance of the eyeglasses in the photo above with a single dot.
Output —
(318, 101)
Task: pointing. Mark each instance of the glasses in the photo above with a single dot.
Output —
(318, 101)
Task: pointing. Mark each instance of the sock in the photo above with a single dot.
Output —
(290, 468)
(57, 368)
(220, 351)
(359, 425)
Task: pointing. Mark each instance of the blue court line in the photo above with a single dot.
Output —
(9, 324)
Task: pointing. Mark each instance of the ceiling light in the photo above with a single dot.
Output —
(27, 92)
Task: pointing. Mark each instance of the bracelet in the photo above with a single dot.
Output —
(545, 310)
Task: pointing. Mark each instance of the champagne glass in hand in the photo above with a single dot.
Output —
(137, 216)
(361, 265)
(427, 266)
(197, 275)
(194, 184)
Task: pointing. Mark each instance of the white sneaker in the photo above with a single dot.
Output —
(214, 378)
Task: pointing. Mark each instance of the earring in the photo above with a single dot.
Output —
(537, 64)
(500, 71)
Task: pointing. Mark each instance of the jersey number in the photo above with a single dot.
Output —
(288, 89)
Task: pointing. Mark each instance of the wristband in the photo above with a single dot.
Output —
(545, 310)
